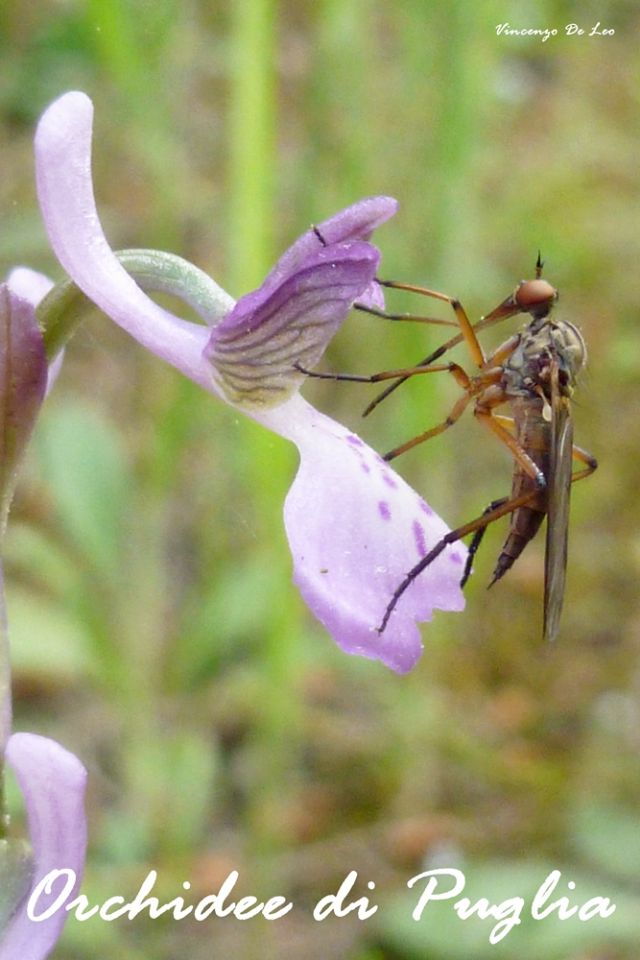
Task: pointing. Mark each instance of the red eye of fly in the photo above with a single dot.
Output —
(535, 293)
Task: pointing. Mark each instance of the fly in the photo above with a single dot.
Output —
(534, 372)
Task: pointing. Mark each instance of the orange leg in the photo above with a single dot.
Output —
(494, 423)
(590, 462)
(454, 415)
(467, 331)
(508, 308)
(472, 386)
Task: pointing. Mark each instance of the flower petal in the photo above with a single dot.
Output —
(52, 782)
(33, 287)
(359, 222)
(356, 222)
(355, 529)
(65, 191)
(254, 349)
(29, 284)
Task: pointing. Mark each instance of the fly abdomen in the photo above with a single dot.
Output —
(525, 523)
(533, 435)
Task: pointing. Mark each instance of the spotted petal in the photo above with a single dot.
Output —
(355, 528)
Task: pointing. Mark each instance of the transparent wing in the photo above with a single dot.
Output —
(558, 491)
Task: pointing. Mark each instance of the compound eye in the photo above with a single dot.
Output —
(532, 295)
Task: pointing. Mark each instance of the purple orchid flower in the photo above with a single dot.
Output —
(52, 782)
(354, 526)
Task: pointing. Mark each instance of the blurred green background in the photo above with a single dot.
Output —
(155, 629)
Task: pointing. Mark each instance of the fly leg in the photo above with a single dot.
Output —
(505, 507)
(472, 386)
(476, 540)
(452, 368)
(458, 409)
(590, 463)
(454, 415)
(410, 317)
(497, 426)
(491, 397)
(508, 308)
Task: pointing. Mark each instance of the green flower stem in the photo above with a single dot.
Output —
(66, 306)
(252, 142)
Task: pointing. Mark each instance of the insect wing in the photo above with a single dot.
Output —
(558, 493)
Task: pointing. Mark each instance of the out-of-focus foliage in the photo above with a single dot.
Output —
(155, 630)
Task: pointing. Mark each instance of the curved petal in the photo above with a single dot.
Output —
(52, 782)
(65, 191)
(355, 529)
(359, 222)
(254, 349)
(356, 222)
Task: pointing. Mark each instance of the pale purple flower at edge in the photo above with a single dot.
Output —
(354, 526)
(32, 286)
(50, 779)
(52, 782)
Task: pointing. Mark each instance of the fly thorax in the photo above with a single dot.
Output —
(523, 369)
(571, 351)
(545, 341)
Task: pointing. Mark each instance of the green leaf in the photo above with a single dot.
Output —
(46, 641)
(82, 461)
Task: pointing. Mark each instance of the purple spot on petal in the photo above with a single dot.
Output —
(389, 479)
(418, 533)
(426, 508)
(455, 557)
(356, 441)
(384, 509)
(365, 466)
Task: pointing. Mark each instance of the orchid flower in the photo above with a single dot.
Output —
(354, 526)
(51, 779)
